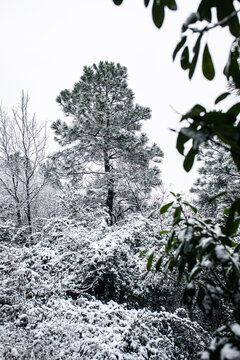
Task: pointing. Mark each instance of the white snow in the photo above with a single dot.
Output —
(221, 254)
(229, 353)
(235, 329)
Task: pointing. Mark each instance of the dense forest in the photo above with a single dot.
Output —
(97, 260)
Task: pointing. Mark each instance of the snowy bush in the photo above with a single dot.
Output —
(89, 329)
(6, 231)
(85, 294)
(104, 262)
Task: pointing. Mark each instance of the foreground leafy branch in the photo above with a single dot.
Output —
(205, 255)
(203, 252)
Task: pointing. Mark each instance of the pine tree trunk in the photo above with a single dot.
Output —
(110, 188)
(110, 198)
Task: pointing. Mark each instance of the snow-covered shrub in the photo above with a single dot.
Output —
(6, 231)
(88, 329)
(48, 291)
(104, 262)
(55, 229)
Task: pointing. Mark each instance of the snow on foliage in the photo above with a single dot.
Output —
(89, 329)
(85, 294)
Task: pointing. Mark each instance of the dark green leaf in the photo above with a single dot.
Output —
(235, 226)
(218, 118)
(177, 212)
(195, 57)
(181, 140)
(189, 159)
(225, 132)
(231, 226)
(185, 59)
(149, 262)
(237, 313)
(171, 4)
(209, 221)
(226, 241)
(168, 246)
(142, 253)
(159, 263)
(225, 11)
(146, 2)
(222, 97)
(194, 112)
(204, 10)
(181, 268)
(237, 203)
(194, 209)
(212, 198)
(179, 46)
(235, 265)
(200, 297)
(158, 13)
(235, 109)
(117, 2)
(232, 67)
(237, 249)
(188, 296)
(172, 263)
(234, 26)
(163, 232)
(236, 159)
(165, 207)
(207, 64)
(226, 211)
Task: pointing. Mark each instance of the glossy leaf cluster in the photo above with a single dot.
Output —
(204, 252)
(206, 255)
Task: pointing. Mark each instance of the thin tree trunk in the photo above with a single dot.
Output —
(29, 217)
(28, 209)
(18, 214)
(110, 188)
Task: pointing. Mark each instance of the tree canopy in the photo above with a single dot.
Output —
(107, 148)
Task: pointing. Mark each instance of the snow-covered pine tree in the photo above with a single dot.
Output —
(103, 145)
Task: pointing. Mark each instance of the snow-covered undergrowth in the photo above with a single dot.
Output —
(88, 329)
(84, 294)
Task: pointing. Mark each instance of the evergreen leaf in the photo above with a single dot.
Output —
(158, 13)
(207, 64)
(149, 262)
(165, 207)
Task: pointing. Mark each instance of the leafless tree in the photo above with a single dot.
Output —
(22, 151)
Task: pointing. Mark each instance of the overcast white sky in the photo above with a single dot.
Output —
(46, 43)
